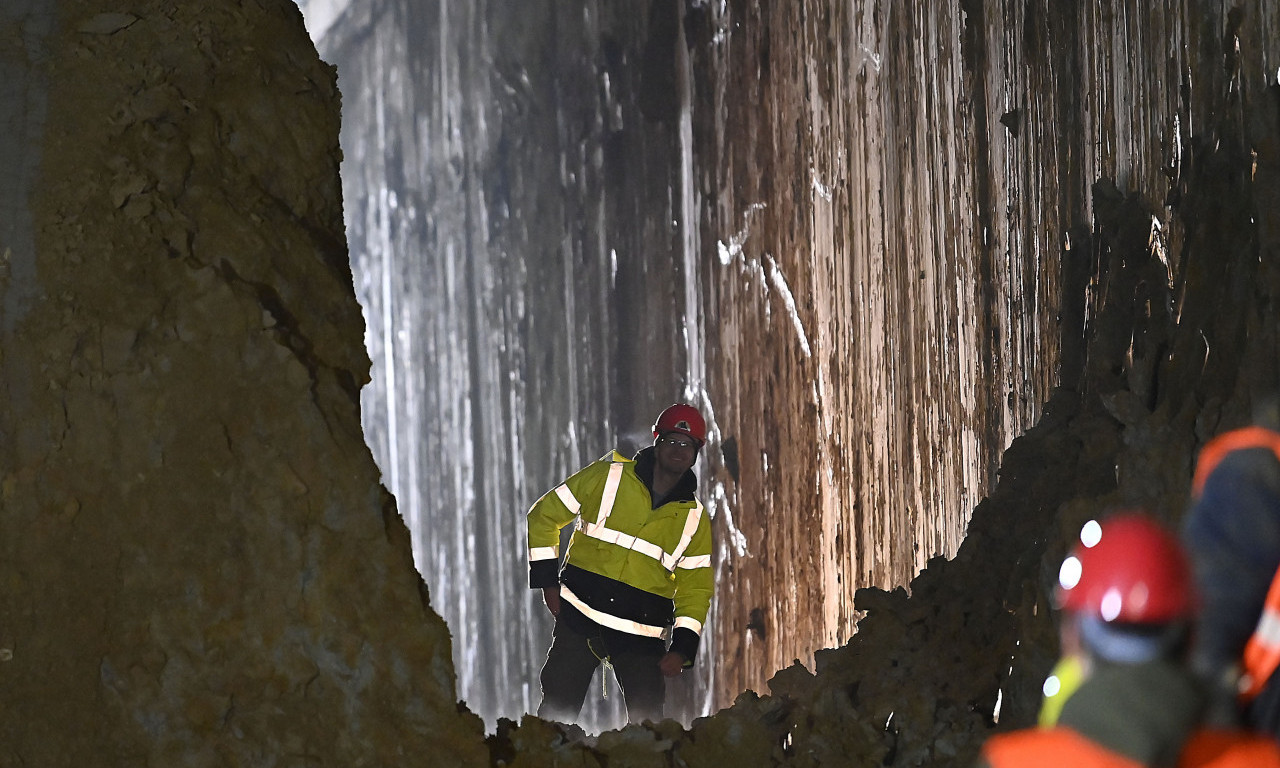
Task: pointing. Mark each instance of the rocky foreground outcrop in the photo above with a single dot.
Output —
(198, 565)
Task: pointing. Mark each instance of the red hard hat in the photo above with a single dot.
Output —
(1127, 569)
(682, 418)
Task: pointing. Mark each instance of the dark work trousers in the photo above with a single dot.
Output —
(573, 659)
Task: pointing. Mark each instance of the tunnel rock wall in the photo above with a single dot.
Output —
(509, 209)
(198, 565)
(561, 221)
(858, 236)
(1173, 271)
(896, 208)
(886, 290)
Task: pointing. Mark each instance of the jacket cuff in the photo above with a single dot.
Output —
(685, 641)
(543, 573)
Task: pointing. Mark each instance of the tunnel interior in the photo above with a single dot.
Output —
(290, 321)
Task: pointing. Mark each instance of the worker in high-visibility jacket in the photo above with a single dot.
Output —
(1128, 604)
(1232, 532)
(636, 581)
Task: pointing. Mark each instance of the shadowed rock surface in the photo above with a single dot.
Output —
(198, 565)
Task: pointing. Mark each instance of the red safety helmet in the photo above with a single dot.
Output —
(1127, 569)
(682, 418)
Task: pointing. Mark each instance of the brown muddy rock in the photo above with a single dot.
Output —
(919, 683)
(751, 732)
(535, 742)
(198, 564)
(1177, 348)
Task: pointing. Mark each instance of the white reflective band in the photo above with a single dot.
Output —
(688, 623)
(626, 541)
(542, 553)
(690, 528)
(568, 499)
(689, 563)
(610, 493)
(610, 621)
(599, 529)
(1268, 631)
(669, 561)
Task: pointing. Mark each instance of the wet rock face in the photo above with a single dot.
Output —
(198, 565)
(870, 239)
(586, 211)
(904, 227)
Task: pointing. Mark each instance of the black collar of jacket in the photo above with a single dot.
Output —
(684, 489)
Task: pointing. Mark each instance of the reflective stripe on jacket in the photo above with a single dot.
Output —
(1261, 654)
(1053, 747)
(664, 552)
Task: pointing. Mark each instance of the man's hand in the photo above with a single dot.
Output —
(671, 664)
(551, 596)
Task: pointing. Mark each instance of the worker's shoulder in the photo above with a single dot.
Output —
(1030, 746)
(1238, 448)
(597, 470)
(614, 457)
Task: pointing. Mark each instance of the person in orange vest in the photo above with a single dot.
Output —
(1127, 604)
(1232, 532)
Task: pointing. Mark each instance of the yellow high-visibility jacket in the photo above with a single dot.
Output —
(630, 567)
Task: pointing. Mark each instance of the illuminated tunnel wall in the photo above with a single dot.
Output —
(843, 230)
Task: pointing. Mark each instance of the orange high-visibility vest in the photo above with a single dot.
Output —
(1054, 747)
(1236, 440)
(1050, 748)
(1262, 653)
(1227, 749)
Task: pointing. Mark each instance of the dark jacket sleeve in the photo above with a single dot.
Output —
(1232, 533)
